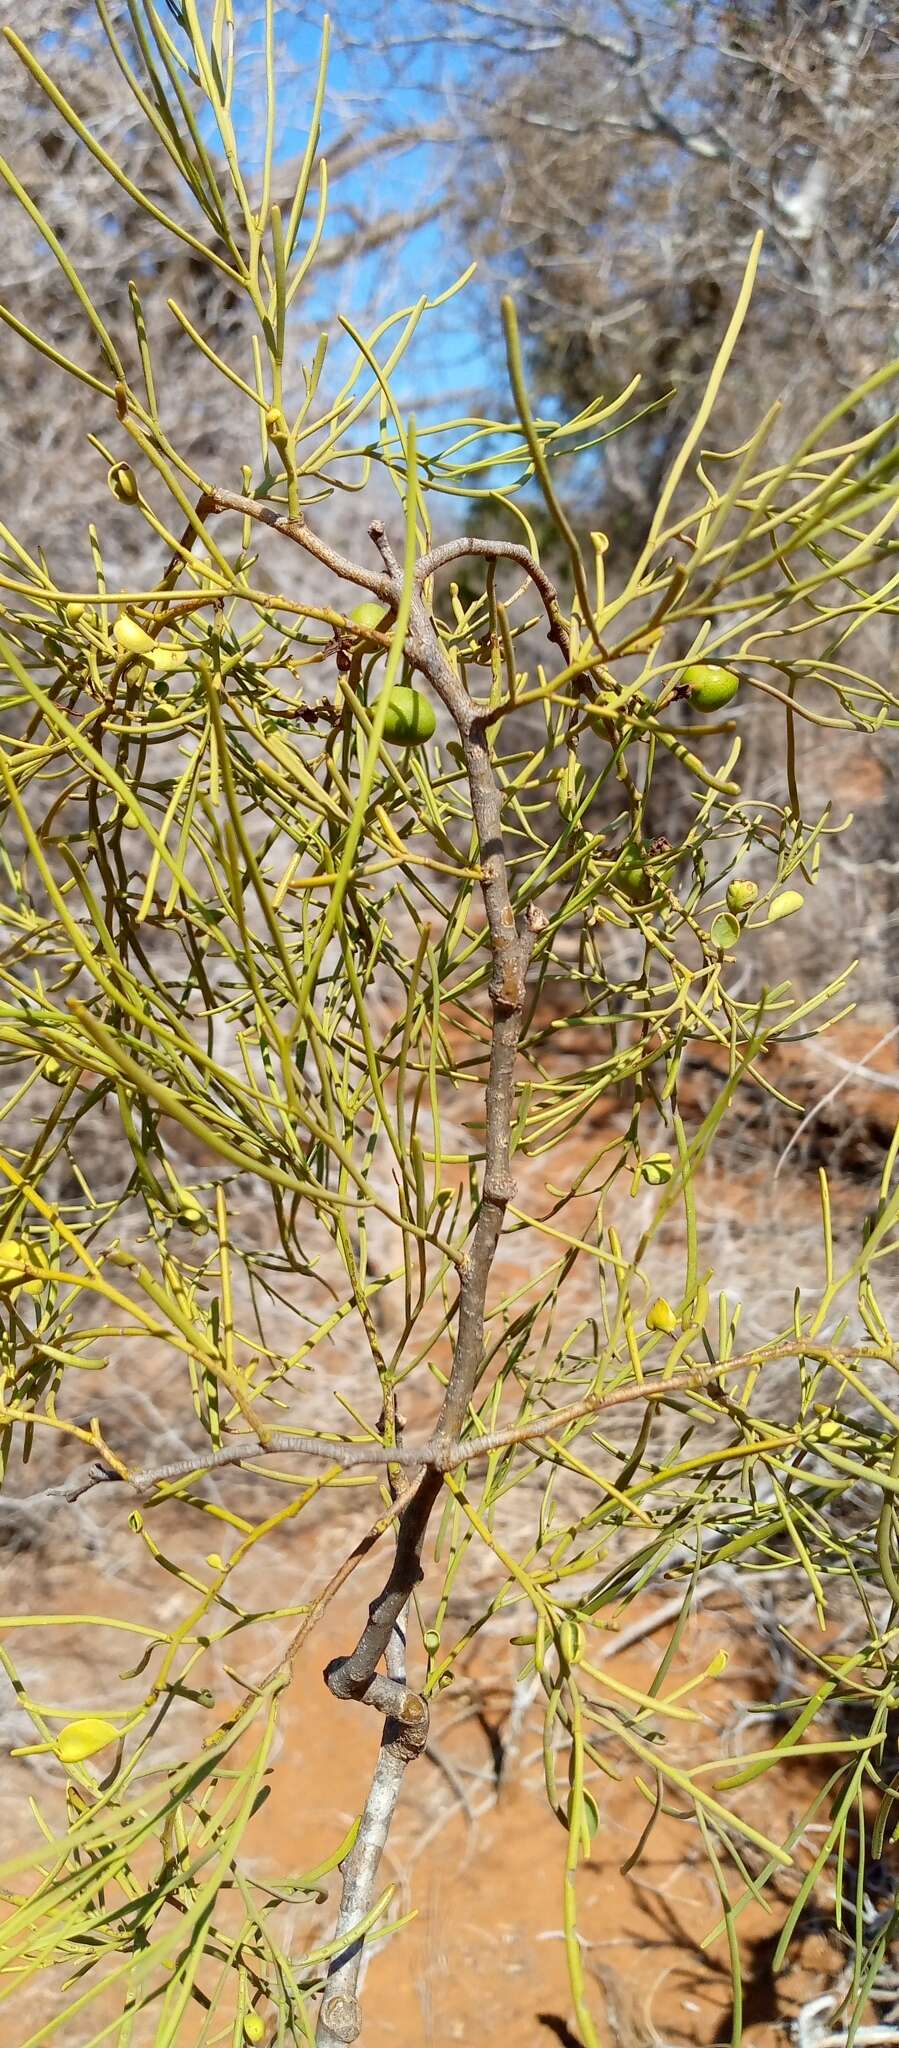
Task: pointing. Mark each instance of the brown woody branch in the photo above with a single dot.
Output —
(503, 551)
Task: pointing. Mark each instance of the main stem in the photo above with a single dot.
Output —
(355, 1676)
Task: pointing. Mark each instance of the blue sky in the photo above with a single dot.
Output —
(447, 357)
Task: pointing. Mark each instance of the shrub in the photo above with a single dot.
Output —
(280, 1007)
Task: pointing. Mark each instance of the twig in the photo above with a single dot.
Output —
(501, 551)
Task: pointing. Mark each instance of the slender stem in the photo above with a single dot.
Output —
(445, 1457)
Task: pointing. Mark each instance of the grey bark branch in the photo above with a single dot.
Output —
(431, 1456)
(402, 1740)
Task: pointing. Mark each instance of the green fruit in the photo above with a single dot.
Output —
(710, 686)
(785, 905)
(368, 616)
(123, 483)
(657, 1170)
(636, 875)
(77, 612)
(630, 876)
(741, 896)
(410, 718)
(254, 2027)
(725, 931)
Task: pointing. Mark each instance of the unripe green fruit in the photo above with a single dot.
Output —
(710, 686)
(725, 931)
(410, 718)
(78, 613)
(631, 877)
(741, 896)
(254, 2027)
(657, 1170)
(123, 483)
(368, 617)
(785, 905)
(635, 877)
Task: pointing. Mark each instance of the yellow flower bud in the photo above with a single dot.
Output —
(18, 1259)
(660, 1316)
(81, 1739)
(130, 637)
(571, 1641)
(161, 655)
(657, 1170)
(167, 656)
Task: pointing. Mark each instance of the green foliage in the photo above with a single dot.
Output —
(217, 870)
